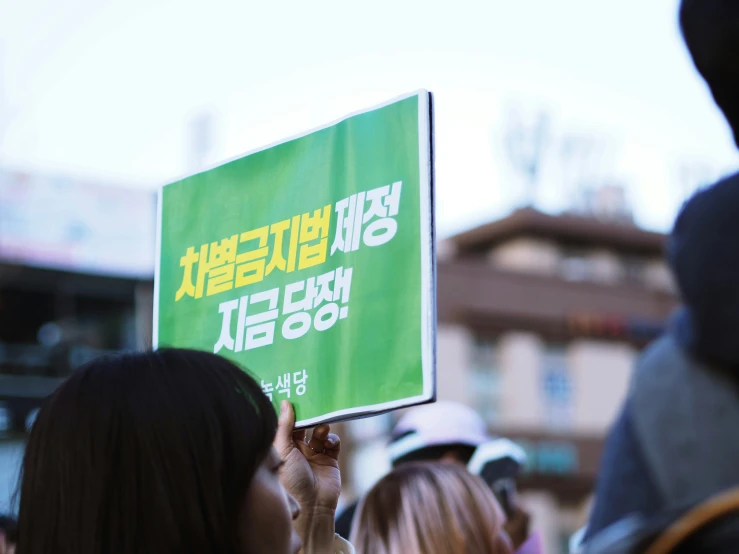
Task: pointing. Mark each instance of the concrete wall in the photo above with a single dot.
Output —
(527, 255)
(519, 359)
(544, 511)
(600, 373)
(455, 345)
(658, 276)
(605, 267)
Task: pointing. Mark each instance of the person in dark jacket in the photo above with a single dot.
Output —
(674, 443)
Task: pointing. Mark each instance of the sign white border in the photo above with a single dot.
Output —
(428, 259)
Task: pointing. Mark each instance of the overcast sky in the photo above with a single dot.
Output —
(107, 89)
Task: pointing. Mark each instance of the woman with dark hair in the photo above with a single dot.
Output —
(170, 452)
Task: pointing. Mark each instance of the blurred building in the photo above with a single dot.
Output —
(76, 269)
(540, 320)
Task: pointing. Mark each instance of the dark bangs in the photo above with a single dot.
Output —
(144, 453)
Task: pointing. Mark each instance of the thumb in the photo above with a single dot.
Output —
(285, 424)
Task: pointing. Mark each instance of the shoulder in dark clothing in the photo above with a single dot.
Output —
(624, 485)
(344, 520)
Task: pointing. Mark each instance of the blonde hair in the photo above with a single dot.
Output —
(430, 508)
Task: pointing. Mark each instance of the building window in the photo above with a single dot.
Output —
(575, 265)
(597, 266)
(485, 380)
(556, 385)
(635, 270)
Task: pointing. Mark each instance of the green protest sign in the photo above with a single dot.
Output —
(310, 263)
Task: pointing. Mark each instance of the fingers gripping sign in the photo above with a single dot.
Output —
(311, 472)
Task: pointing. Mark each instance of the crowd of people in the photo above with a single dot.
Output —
(180, 451)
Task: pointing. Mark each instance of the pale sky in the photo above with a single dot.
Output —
(106, 89)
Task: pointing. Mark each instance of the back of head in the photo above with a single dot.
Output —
(711, 31)
(144, 453)
(430, 508)
(703, 252)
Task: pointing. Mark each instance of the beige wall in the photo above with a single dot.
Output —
(553, 521)
(544, 512)
(454, 354)
(445, 250)
(519, 358)
(600, 374)
(599, 370)
(605, 267)
(527, 255)
(542, 257)
(658, 276)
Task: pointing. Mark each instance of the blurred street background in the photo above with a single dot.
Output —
(567, 136)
